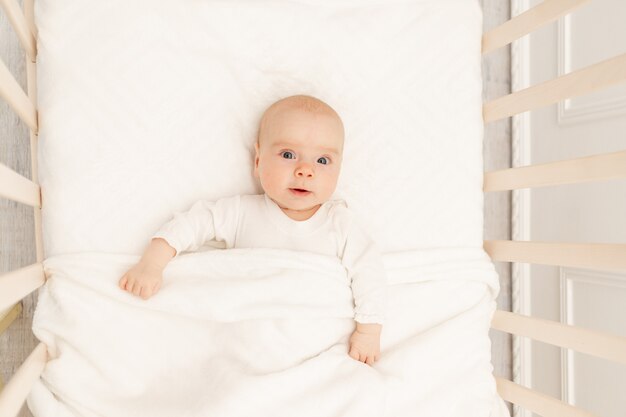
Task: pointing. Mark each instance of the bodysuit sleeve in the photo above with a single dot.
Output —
(366, 271)
(204, 221)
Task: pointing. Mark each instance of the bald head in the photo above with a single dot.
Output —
(306, 104)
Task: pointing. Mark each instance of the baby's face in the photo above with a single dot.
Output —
(300, 151)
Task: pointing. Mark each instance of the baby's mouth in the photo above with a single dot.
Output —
(299, 191)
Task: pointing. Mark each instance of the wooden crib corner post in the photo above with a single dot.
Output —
(31, 73)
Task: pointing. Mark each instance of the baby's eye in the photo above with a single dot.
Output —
(324, 160)
(287, 154)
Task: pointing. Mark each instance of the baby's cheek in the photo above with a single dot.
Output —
(328, 184)
(273, 179)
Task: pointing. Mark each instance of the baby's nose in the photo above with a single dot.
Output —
(304, 170)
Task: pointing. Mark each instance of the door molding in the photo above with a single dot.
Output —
(568, 277)
(568, 111)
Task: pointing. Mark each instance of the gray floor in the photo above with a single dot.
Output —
(16, 220)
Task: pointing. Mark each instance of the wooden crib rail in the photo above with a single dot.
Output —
(14, 394)
(605, 166)
(582, 81)
(600, 344)
(17, 284)
(601, 256)
(527, 22)
(5, 321)
(541, 404)
(18, 188)
(13, 94)
(21, 27)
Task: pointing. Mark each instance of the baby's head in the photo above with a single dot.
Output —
(299, 147)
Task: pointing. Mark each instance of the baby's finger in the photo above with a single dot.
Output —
(354, 354)
(129, 283)
(369, 360)
(137, 289)
(145, 292)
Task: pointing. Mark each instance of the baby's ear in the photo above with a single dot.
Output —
(256, 159)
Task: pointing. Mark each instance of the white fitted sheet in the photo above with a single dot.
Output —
(147, 106)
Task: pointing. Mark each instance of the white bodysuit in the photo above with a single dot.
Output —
(253, 221)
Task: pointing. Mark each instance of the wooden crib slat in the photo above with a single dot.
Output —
(527, 22)
(11, 91)
(17, 284)
(18, 21)
(582, 81)
(538, 402)
(29, 14)
(18, 188)
(7, 317)
(592, 342)
(15, 392)
(591, 168)
(602, 256)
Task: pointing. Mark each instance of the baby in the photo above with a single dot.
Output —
(299, 151)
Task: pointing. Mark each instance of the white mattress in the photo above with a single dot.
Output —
(147, 106)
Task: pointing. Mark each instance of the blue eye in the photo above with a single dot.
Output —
(324, 159)
(287, 153)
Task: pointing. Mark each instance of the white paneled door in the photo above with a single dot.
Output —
(593, 212)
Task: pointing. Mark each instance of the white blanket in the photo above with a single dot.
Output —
(264, 332)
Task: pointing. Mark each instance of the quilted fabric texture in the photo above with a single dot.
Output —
(147, 106)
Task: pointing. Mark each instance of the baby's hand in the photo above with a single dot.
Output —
(365, 342)
(143, 280)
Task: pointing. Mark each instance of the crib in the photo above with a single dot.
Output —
(18, 284)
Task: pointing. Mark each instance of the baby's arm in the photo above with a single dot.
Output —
(369, 286)
(187, 231)
(145, 278)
